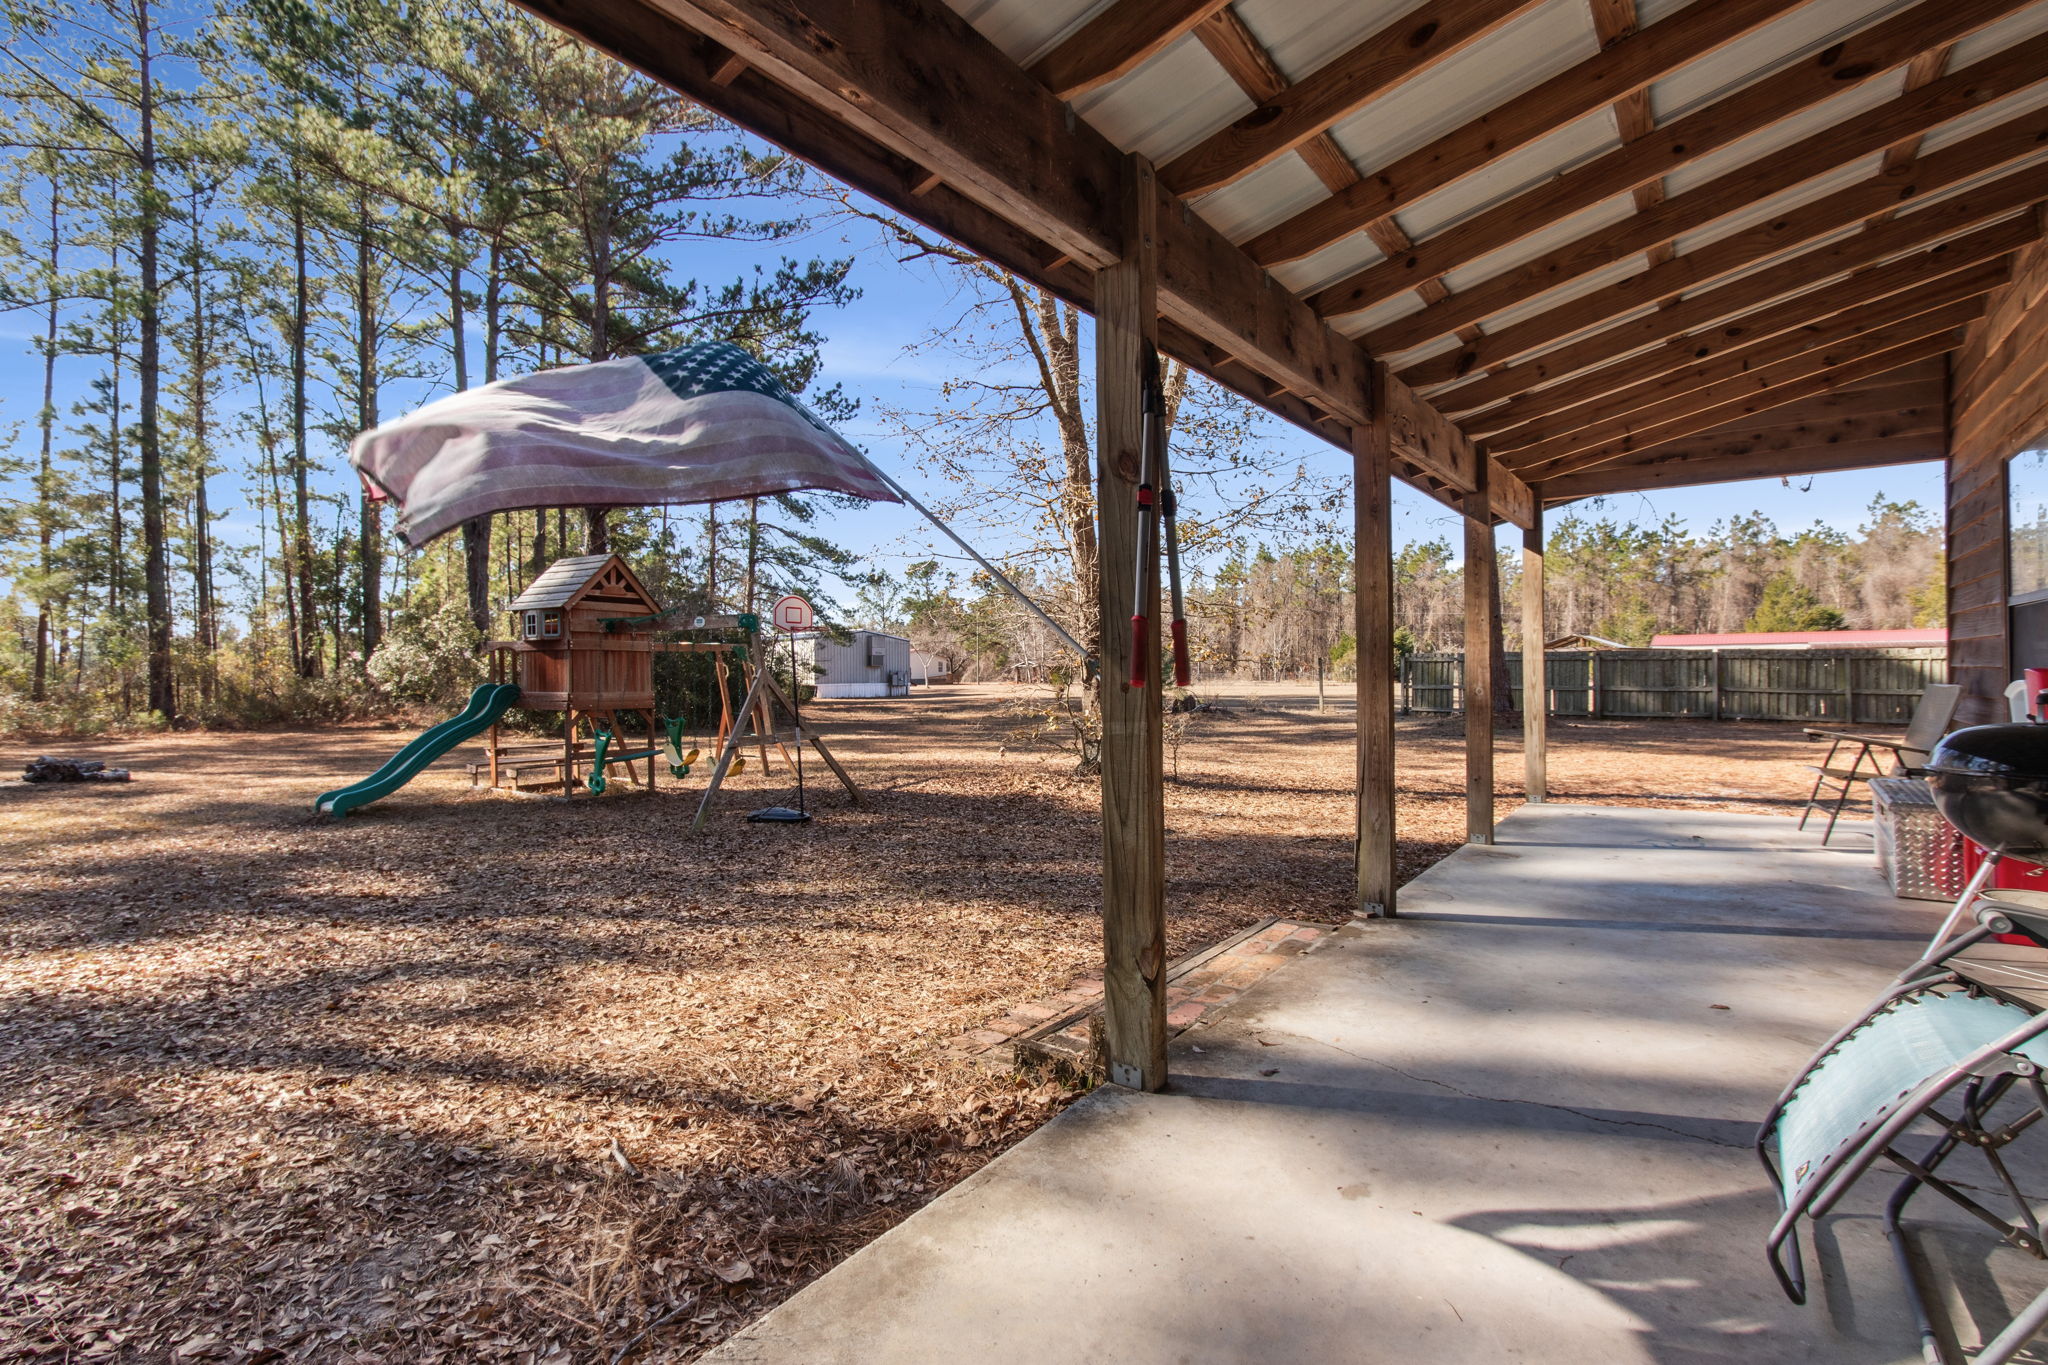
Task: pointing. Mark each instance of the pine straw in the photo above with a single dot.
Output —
(482, 1077)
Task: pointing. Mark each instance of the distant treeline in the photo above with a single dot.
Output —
(240, 236)
(1274, 613)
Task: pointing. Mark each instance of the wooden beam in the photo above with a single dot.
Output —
(1756, 182)
(1922, 70)
(1843, 66)
(1480, 590)
(1541, 458)
(1133, 778)
(1535, 681)
(1780, 345)
(1818, 381)
(1908, 448)
(1634, 119)
(1411, 45)
(1116, 41)
(1610, 75)
(1373, 629)
(1716, 260)
(1508, 498)
(1931, 270)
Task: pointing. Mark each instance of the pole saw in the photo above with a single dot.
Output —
(1156, 513)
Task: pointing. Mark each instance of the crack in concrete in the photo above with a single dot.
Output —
(1538, 1104)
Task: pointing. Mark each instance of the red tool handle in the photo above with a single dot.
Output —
(1181, 671)
(1138, 642)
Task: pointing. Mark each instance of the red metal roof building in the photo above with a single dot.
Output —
(1807, 639)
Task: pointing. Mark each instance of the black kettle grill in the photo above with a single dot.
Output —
(1991, 782)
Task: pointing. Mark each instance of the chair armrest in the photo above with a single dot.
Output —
(1874, 741)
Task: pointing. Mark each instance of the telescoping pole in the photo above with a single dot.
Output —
(1148, 521)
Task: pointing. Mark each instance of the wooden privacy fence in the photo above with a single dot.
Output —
(1849, 686)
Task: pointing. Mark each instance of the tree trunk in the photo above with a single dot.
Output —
(476, 532)
(155, 567)
(1503, 680)
(753, 548)
(306, 640)
(208, 621)
(45, 487)
(372, 543)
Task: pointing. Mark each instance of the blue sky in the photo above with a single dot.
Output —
(869, 350)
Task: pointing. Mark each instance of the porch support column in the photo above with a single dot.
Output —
(1535, 686)
(1373, 630)
(1479, 597)
(1133, 772)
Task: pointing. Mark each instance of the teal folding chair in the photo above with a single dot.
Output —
(1936, 1049)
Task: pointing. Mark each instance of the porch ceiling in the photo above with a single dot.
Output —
(1588, 239)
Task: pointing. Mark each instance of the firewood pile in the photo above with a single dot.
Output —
(47, 769)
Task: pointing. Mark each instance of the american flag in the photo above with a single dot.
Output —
(704, 423)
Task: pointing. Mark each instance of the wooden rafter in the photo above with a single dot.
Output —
(1116, 41)
(1252, 68)
(1545, 459)
(1406, 48)
(1901, 420)
(1622, 401)
(1800, 453)
(1864, 57)
(1964, 161)
(1654, 226)
(1701, 316)
(1615, 21)
(1612, 74)
(1819, 315)
(1804, 378)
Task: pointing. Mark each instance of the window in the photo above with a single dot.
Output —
(2027, 501)
(551, 625)
(531, 626)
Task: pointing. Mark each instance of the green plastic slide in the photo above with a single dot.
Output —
(486, 704)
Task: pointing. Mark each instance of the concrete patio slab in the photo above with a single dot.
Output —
(1513, 1124)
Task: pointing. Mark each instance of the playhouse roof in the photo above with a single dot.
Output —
(567, 581)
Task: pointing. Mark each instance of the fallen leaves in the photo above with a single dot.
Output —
(483, 1078)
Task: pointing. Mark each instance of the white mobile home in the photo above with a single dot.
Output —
(871, 664)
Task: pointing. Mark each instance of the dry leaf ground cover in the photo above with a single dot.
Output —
(483, 1077)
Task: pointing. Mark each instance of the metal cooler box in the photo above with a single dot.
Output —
(1919, 853)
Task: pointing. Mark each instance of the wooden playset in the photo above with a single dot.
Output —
(584, 637)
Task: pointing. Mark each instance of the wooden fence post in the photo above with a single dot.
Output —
(1373, 628)
(1133, 775)
(1535, 684)
(1479, 590)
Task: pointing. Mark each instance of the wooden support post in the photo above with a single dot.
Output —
(1479, 590)
(1373, 629)
(568, 752)
(1535, 682)
(1133, 775)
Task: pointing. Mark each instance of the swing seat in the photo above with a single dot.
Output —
(1937, 1051)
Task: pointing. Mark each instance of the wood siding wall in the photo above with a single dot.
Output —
(1998, 404)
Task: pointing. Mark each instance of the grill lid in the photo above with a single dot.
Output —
(2016, 752)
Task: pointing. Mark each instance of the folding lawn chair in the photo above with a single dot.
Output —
(1936, 1047)
(1931, 717)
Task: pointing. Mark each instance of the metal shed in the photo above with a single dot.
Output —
(870, 664)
